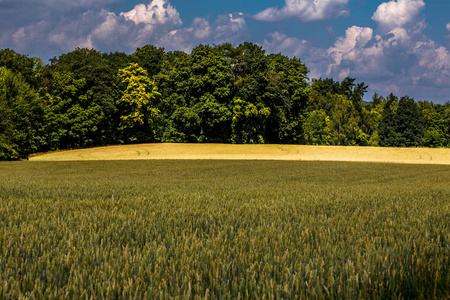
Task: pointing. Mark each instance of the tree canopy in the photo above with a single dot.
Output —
(217, 93)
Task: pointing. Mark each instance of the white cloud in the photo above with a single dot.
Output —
(157, 12)
(355, 38)
(434, 59)
(316, 59)
(448, 26)
(230, 27)
(305, 10)
(402, 61)
(287, 45)
(394, 14)
(227, 28)
(157, 23)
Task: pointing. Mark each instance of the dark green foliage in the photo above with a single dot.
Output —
(117, 61)
(8, 151)
(342, 104)
(28, 67)
(409, 123)
(286, 95)
(388, 125)
(185, 126)
(216, 94)
(402, 123)
(21, 117)
(150, 58)
(216, 118)
(80, 101)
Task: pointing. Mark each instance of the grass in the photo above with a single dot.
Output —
(253, 152)
(224, 229)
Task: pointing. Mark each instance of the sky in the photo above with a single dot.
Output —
(397, 46)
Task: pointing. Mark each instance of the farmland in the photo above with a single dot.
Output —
(224, 229)
(252, 152)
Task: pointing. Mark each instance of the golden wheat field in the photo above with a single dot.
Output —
(253, 152)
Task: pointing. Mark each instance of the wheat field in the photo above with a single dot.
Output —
(199, 221)
(224, 229)
(253, 152)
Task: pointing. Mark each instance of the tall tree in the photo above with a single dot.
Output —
(388, 131)
(436, 131)
(21, 117)
(90, 72)
(150, 58)
(28, 67)
(317, 128)
(286, 95)
(248, 122)
(410, 123)
(138, 114)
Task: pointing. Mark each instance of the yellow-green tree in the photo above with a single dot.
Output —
(248, 122)
(137, 104)
(316, 128)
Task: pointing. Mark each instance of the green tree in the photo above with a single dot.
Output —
(402, 123)
(410, 123)
(316, 128)
(371, 115)
(249, 69)
(173, 83)
(286, 95)
(72, 119)
(28, 67)
(138, 104)
(436, 131)
(211, 74)
(21, 117)
(97, 93)
(184, 126)
(344, 122)
(117, 61)
(388, 131)
(248, 122)
(445, 112)
(215, 120)
(150, 58)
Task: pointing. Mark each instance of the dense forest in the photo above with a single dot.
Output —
(215, 94)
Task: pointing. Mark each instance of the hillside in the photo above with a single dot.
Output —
(252, 152)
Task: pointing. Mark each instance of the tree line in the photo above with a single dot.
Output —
(216, 94)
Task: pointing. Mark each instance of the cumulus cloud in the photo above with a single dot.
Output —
(305, 10)
(230, 27)
(227, 28)
(287, 45)
(157, 23)
(402, 60)
(157, 12)
(316, 59)
(393, 14)
(369, 55)
(47, 27)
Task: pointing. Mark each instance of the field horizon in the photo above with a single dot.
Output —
(163, 151)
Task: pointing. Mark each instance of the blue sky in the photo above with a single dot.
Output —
(399, 46)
